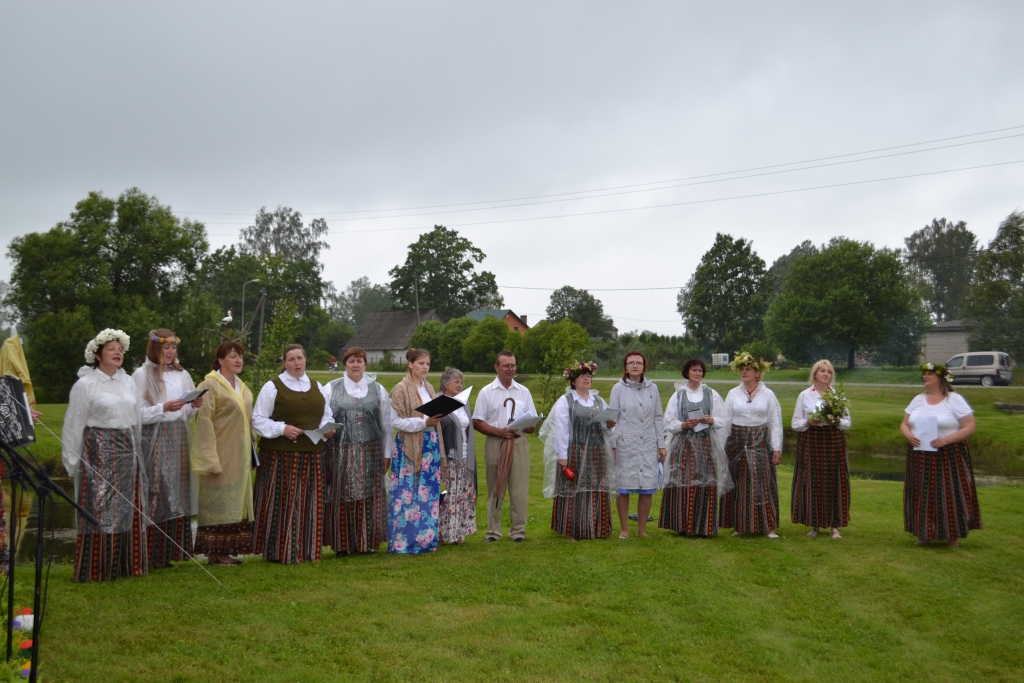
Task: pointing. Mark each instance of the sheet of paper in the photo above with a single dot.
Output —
(605, 415)
(926, 428)
(192, 395)
(463, 396)
(525, 421)
(696, 414)
(317, 435)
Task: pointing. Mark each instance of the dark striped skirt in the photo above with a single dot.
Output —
(355, 512)
(752, 507)
(109, 458)
(581, 514)
(224, 539)
(940, 502)
(169, 472)
(288, 502)
(821, 480)
(691, 510)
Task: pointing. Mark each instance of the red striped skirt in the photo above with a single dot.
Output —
(940, 501)
(752, 507)
(108, 456)
(355, 514)
(169, 476)
(821, 480)
(691, 510)
(288, 502)
(583, 514)
(224, 539)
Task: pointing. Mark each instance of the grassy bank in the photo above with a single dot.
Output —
(871, 607)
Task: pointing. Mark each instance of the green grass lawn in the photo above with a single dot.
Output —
(871, 607)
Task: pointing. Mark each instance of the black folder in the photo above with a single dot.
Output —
(440, 405)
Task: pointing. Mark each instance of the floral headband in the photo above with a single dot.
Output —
(938, 369)
(577, 369)
(743, 358)
(174, 339)
(106, 336)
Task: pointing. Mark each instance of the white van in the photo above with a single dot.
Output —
(987, 368)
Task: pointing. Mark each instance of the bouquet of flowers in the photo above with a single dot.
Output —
(834, 406)
(19, 666)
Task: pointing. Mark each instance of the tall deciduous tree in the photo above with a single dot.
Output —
(449, 343)
(995, 303)
(481, 346)
(282, 233)
(440, 272)
(945, 253)
(724, 303)
(581, 307)
(848, 297)
(127, 263)
(779, 271)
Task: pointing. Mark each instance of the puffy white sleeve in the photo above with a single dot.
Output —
(799, 422)
(407, 424)
(73, 434)
(672, 422)
(775, 422)
(150, 413)
(723, 420)
(261, 412)
(328, 415)
(560, 415)
(961, 408)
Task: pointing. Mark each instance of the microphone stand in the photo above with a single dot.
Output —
(28, 475)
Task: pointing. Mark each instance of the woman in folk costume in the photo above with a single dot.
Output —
(821, 479)
(697, 470)
(160, 383)
(102, 450)
(639, 441)
(940, 501)
(222, 454)
(289, 479)
(458, 506)
(355, 515)
(416, 468)
(579, 472)
(754, 449)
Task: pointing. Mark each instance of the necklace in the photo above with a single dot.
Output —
(750, 394)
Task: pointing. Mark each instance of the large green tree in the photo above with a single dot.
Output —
(945, 253)
(440, 273)
(995, 302)
(361, 298)
(581, 307)
(481, 346)
(779, 271)
(724, 302)
(847, 297)
(128, 263)
(449, 342)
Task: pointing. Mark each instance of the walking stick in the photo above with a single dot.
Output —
(505, 459)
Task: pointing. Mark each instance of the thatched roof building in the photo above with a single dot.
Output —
(388, 331)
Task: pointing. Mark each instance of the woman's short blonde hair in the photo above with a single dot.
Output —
(823, 363)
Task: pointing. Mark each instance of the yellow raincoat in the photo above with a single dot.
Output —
(221, 452)
(12, 362)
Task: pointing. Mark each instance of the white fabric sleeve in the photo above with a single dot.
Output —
(529, 403)
(151, 414)
(261, 422)
(671, 419)
(845, 422)
(187, 385)
(480, 409)
(560, 415)
(799, 422)
(328, 415)
(959, 405)
(407, 424)
(722, 418)
(914, 403)
(73, 434)
(775, 422)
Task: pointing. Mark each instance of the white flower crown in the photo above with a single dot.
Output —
(107, 335)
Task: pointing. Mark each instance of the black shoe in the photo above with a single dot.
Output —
(519, 540)
(635, 517)
(490, 540)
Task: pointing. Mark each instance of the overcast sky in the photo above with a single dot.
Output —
(218, 109)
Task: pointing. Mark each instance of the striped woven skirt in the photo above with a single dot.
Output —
(940, 502)
(108, 458)
(169, 472)
(821, 480)
(458, 506)
(355, 511)
(288, 503)
(581, 514)
(752, 507)
(691, 510)
(224, 539)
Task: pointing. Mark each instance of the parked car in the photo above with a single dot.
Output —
(987, 368)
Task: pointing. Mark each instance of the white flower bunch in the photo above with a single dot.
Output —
(107, 335)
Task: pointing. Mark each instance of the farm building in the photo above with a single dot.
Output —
(506, 315)
(388, 331)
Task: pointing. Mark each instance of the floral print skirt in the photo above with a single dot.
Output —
(414, 499)
(458, 507)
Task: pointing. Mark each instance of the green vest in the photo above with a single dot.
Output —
(302, 409)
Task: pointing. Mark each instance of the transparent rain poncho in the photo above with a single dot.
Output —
(572, 433)
(355, 458)
(166, 442)
(697, 458)
(102, 450)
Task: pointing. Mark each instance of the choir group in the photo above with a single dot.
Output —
(350, 466)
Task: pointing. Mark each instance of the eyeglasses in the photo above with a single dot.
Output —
(507, 366)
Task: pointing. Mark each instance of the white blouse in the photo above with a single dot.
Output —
(560, 415)
(672, 422)
(411, 424)
(464, 421)
(97, 400)
(806, 403)
(261, 412)
(174, 387)
(949, 412)
(763, 408)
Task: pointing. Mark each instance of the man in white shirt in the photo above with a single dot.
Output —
(490, 417)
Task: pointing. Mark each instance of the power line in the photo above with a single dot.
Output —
(658, 182)
(599, 289)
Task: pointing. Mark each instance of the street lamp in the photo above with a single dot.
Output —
(242, 325)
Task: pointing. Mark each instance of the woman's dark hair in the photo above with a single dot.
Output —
(413, 354)
(584, 371)
(224, 349)
(692, 362)
(625, 373)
